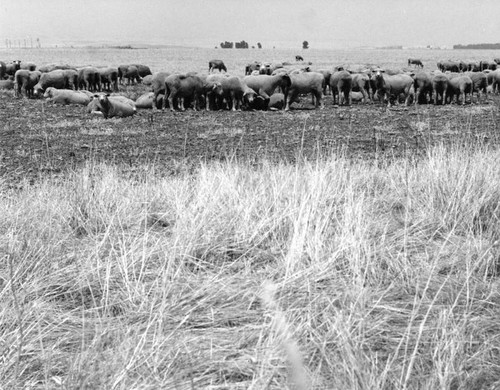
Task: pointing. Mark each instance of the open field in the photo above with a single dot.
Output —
(184, 59)
(345, 248)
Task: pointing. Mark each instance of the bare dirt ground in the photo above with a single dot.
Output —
(37, 138)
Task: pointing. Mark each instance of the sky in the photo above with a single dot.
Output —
(334, 24)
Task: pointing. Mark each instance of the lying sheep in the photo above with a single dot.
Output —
(111, 106)
(66, 96)
(146, 100)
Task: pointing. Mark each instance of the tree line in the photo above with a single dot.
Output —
(244, 45)
(488, 46)
(238, 45)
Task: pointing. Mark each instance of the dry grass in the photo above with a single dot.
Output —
(321, 275)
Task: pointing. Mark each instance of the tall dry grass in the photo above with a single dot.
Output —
(329, 274)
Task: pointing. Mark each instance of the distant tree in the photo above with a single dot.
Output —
(259, 45)
(241, 45)
(305, 45)
(226, 45)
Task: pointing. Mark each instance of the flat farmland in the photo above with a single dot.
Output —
(185, 59)
(342, 248)
(39, 138)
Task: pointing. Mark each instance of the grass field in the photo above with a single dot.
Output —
(253, 273)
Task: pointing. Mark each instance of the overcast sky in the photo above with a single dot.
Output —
(284, 23)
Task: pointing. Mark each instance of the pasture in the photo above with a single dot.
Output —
(44, 138)
(345, 248)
